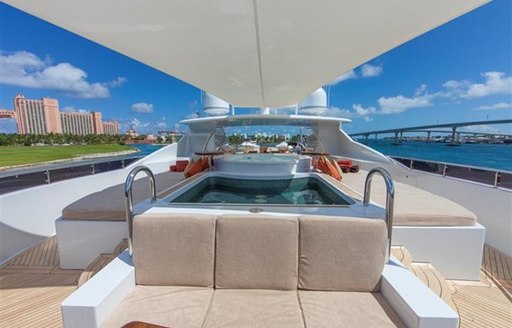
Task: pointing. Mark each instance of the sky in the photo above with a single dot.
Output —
(458, 72)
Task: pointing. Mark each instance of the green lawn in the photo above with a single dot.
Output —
(19, 155)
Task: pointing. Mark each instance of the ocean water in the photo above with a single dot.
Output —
(145, 149)
(493, 156)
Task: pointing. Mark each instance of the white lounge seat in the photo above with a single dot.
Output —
(252, 271)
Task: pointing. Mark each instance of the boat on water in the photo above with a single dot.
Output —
(256, 239)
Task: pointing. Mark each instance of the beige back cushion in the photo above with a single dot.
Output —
(341, 254)
(174, 249)
(256, 252)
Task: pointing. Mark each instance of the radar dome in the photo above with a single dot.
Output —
(214, 106)
(314, 104)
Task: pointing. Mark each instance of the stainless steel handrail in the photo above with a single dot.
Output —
(390, 198)
(129, 198)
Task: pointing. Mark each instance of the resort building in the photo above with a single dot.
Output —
(6, 113)
(111, 128)
(97, 123)
(84, 123)
(37, 116)
(43, 117)
(77, 123)
(132, 133)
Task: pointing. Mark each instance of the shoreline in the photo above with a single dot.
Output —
(3, 169)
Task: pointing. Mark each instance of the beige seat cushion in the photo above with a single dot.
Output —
(414, 206)
(346, 309)
(254, 308)
(110, 203)
(174, 249)
(341, 253)
(256, 252)
(163, 305)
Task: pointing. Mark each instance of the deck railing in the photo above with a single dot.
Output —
(34, 177)
(491, 177)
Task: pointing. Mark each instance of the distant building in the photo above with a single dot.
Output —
(7, 113)
(151, 138)
(77, 123)
(43, 117)
(97, 124)
(37, 116)
(132, 133)
(111, 128)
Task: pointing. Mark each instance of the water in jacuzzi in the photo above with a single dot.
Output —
(219, 190)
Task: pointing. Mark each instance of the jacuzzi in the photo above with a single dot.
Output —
(299, 193)
(263, 164)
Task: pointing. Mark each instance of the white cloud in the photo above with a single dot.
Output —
(339, 112)
(137, 124)
(501, 105)
(142, 107)
(495, 83)
(347, 76)
(399, 104)
(118, 82)
(357, 111)
(162, 123)
(143, 126)
(368, 70)
(456, 85)
(27, 70)
(72, 109)
(363, 112)
(69, 109)
(388, 105)
(422, 90)
(21, 59)
(481, 129)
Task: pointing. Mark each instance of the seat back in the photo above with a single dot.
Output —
(341, 253)
(174, 249)
(256, 252)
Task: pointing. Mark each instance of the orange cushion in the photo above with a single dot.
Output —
(193, 168)
(205, 162)
(345, 162)
(327, 167)
(336, 166)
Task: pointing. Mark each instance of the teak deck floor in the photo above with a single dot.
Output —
(32, 286)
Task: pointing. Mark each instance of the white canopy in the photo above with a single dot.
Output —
(251, 53)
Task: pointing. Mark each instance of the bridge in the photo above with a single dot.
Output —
(5, 113)
(430, 128)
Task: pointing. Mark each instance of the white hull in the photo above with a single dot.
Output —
(30, 215)
(491, 205)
